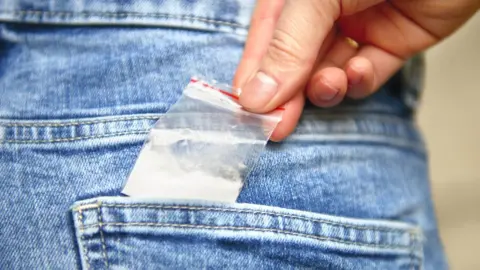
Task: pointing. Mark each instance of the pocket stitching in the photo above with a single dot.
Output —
(102, 238)
(173, 225)
(82, 239)
(122, 14)
(78, 123)
(412, 231)
(133, 132)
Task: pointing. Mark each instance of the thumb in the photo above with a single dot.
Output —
(291, 54)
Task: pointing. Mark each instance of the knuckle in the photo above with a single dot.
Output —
(285, 50)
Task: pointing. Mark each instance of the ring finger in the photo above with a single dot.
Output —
(328, 83)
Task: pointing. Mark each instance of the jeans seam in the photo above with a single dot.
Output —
(363, 228)
(416, 263)
(78, 123)
(82, 239)
(134, 132)
(330, 116)
(102, 238)
(411, 255)
(123, 14)
(390, 119)
(237, 228)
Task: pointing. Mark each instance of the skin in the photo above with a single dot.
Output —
(297, 49)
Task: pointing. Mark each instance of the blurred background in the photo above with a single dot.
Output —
(450, 120)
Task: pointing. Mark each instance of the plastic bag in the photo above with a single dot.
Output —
(202, 148)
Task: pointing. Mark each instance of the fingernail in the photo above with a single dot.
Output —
(356, 77)
(258, 91)
(327, 93)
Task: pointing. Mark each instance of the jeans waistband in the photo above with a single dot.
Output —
(224, 15)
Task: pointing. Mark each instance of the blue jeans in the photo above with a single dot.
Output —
(81, 83)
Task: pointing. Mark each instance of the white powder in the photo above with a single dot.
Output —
(158, 174)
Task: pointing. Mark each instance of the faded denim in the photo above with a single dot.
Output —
(81, 83)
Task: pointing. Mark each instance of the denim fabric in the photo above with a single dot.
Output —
(218, 236)
(81, 83)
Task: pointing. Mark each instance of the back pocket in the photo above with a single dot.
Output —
(126, 233)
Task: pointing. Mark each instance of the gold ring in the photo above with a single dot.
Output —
(352, 42)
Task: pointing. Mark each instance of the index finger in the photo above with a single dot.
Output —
(291, 53)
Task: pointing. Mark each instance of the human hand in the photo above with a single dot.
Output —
(298, 48)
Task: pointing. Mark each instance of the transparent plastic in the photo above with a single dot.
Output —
(203, 147)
